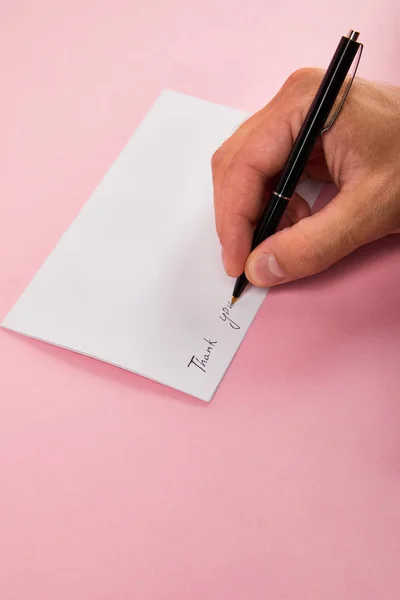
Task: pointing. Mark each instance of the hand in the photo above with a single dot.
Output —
(360, 155)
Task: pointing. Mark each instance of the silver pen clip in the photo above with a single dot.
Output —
(351, 77)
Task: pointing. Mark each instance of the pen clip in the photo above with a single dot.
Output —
(346, 92)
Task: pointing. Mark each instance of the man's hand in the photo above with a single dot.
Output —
(360, 155)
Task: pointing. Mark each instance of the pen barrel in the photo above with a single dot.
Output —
(272, 216)
(317, 115)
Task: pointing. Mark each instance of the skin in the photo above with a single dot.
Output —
(360, 155)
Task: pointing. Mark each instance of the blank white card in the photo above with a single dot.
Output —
(137, 279)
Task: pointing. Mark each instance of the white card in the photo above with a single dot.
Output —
(137, 280)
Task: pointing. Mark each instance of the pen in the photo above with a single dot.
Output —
(314, 124)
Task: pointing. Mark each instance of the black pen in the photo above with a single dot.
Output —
(314, 124)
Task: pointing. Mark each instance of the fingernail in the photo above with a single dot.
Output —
(264, 270)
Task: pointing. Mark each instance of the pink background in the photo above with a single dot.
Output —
(286, 487)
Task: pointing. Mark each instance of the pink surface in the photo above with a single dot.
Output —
(286, 487)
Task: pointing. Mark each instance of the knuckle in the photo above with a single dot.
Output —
(218, 158)
(309, 257)
(312, 259)
(302, 78)
(350, 240)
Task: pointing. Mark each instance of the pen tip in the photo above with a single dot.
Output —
(233, 300)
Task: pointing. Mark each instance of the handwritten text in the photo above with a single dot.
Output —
(226, 318)
(202, 362)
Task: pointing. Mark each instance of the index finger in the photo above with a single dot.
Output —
(223, 157)
(254, 159)
(244, 186)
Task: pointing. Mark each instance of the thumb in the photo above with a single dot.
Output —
(313, 244)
